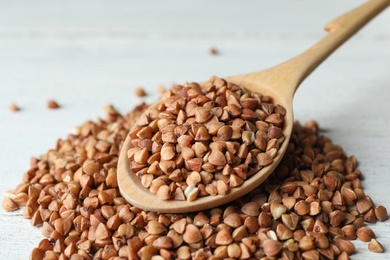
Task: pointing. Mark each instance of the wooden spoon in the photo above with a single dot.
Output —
(279, 82)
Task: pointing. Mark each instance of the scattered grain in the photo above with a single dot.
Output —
(9, 204)
(365, 234)
(375, 246)
(13, 107)
(213, 51)
(380, 213)
(140, 92)
(52, 104)
(83, 215)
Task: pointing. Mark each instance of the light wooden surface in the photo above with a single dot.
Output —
(86, 54)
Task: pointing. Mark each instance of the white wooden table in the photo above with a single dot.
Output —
(86, 54)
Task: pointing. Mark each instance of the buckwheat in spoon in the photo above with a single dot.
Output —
(204, 145)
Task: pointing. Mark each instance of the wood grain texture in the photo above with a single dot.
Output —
(86, 54)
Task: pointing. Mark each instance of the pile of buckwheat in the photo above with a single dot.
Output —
(311, 207)
(205, 140)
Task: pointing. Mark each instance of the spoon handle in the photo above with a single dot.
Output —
(286, 77)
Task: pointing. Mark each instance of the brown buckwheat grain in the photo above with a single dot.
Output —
(205, 140)
(310, 207)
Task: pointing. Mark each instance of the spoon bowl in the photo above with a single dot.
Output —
(280, 82)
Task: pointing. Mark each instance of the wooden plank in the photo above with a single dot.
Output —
(91, 53)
